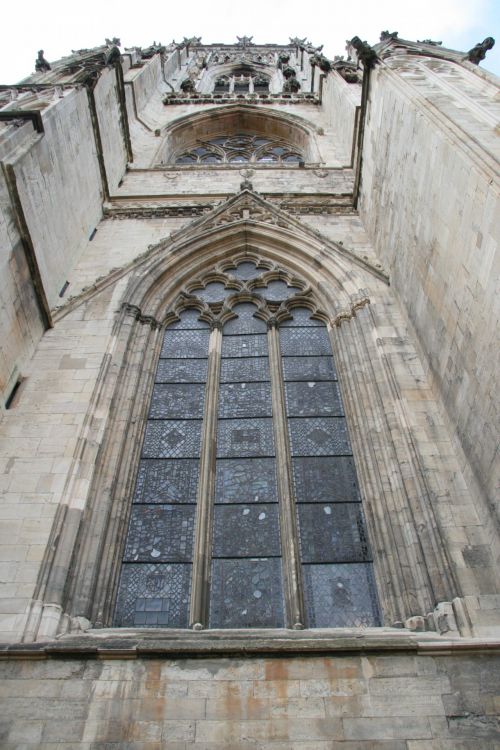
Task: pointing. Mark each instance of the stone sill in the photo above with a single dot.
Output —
(139, 643)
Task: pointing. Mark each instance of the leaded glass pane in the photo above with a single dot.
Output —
(246, 480)
(326, 436)
(153, 596)
(172, 439)
(243, 438)
(325, 479)
(167, 481)
(246, 594)
(304, 342)
(177, 401)
(246, 322)
(188, 319)
(244, 346)
(245, 400)
(340, 596)
(277, 290)
(301, 317)
(309, 368)
(213, 292)
(160, 533)
(246, 270)
(246, 530)
(332, 533)
(244, 369)
(310, 398)
(181, 371)
(185, 344)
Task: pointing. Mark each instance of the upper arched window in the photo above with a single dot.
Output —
(246, 510)
(241, 147)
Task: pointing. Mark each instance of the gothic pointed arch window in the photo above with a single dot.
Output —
(246, 511)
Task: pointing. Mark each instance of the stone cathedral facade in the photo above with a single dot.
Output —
(249, 399)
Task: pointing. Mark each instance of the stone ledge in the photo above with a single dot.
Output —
(156, 643)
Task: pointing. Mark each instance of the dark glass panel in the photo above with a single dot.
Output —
(160, 533)
(292, 158)
(309, 368)
(246, 530)
(212, 159)
(304, 399)
(186, 159)
(321, 436)
(153, 596)
(325, 479)
(185, 344)
(177, 401)
(243, 438)
(244, 369)
(167, 481)
(246, 270)
(246, 322)
(301, 317)
(189, 319)
(332, 533)
(278, 290)
(254, 345)
(245, 400)
(246, 594)
(181, 371)
(213, 292)
(340, 596)
(304, 342)
(172, 439)
(246, 480)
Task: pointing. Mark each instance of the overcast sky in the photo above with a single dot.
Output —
(58, 27)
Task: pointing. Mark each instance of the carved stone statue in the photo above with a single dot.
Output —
(283, 59)
(115, 42)
(347, 70)
(384, 35)
(478, 53)
(187, 86)
(366, 54)
(291, 85)
(41, 64)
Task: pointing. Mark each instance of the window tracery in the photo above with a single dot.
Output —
(241, 147)
(246, 510)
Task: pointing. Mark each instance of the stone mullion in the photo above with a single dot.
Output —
(206, 489)
(294, 598)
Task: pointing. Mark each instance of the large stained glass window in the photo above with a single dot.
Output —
(241, 148)
(246, 512)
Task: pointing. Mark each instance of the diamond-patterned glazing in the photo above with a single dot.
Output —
(301, 317)
(154, 596)
(321, 436)
(332, 533)
(246, 530)
(242, 438)
(213, 292)
(246, 480)
(313, 398)
(177, 401)
(304, 342)
(167, 481)
(246, 594)
(160, 533)
(245, 346)
(309, 368)
(246, 322)
(188, 319)
(329, 479)
(185, 344)
(340, 596)
(181, 371)
(244, 369)
(245, 400)
(172, 439)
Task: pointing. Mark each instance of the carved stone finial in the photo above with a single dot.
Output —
(245, 41)
(478, 53)
(321, 61)
(115, 42)
(429, 41)
(385, 35)
(347, 70)
(366, 54)
(41, 64)
(187, 86)
(298, 42)
(246, 185)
